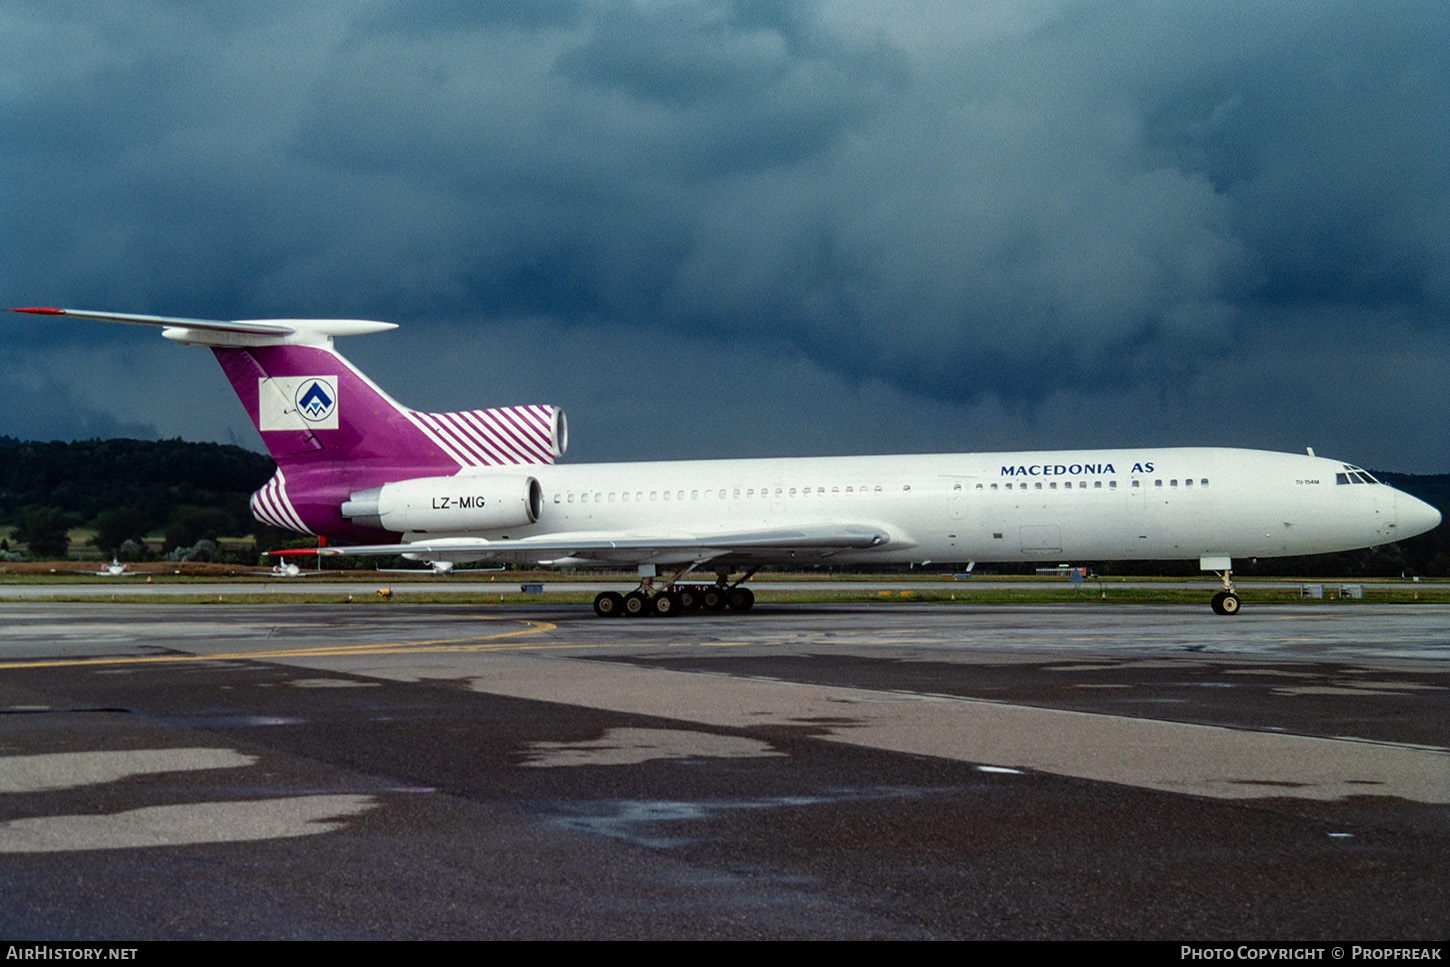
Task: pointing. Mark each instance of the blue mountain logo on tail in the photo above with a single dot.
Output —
(303, 403)
(314, 401)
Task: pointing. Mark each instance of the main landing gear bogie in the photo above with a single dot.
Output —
(610, 604)
(673, 601)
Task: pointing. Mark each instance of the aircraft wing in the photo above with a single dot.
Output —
(805, 544)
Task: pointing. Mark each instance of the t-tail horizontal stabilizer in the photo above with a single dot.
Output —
(242, 332)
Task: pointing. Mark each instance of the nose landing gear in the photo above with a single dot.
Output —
(1226, 601)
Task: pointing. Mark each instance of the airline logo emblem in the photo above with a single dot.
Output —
(297, 403)
(315, 402)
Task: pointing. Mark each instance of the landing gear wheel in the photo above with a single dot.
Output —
(636, 604)
(667, 605)
(609, 604)
(741, 599)
(689, 598)
(1226, 602)
(713, 599)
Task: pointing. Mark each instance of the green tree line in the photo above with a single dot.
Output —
(126, 489)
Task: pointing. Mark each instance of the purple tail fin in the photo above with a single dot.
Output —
(330, 429)
(333, 432)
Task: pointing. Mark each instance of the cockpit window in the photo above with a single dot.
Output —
(1354, 475)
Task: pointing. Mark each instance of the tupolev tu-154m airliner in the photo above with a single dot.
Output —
(355, 465)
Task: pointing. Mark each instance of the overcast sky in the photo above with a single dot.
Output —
(752, 228)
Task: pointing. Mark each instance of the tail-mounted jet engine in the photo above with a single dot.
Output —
(463, 503)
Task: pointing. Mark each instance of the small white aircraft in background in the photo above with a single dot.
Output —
(113, 570)
(286, 569)
(482, 485)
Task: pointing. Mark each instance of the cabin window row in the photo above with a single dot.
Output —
(750, 493)
(1081, 485)
(726, 493)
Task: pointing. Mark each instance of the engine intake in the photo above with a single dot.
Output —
(462, 503)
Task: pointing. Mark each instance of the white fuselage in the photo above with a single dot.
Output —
(353, 459)
(1072, 505)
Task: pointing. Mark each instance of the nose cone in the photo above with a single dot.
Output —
(1413, 516)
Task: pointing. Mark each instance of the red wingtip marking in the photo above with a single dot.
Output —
(41, 311)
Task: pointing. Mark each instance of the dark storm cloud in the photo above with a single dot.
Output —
(583, 162)
(1002, 216)
(441, 18)
(1329, 150)
(63, 415)
(733, 87)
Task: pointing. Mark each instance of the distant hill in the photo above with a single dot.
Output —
(127, 488)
